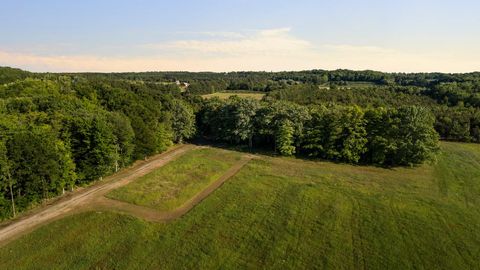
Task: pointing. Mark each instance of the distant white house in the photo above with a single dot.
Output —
(182, 84)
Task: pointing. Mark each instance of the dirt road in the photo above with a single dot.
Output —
(103, 203)
(83, 199)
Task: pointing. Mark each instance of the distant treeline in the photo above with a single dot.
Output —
(449, 88)
(457, 123)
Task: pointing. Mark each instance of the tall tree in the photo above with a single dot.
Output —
(40, 162)
(93, 145)
(183, 121)
(336, 133)
(241, 114)
(6, 181)
(284, 138)
(124, 135)
(417, 139)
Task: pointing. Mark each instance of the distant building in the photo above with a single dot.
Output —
(182, 84)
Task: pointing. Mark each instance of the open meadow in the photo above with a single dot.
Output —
(241, 94)
(169, 187)
(284, 213)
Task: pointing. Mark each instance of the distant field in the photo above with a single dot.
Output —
(226, 95)
(285, 213)
(170, 186)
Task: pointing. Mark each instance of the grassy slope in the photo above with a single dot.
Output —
(172, 185)
(284, 213)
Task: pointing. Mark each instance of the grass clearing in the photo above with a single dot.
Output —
(241, 94)
(284, 213)
(172, 185)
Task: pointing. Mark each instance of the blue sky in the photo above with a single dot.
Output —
(214, 35)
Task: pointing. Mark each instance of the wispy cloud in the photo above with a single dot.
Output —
(275, 42)
(270, 49)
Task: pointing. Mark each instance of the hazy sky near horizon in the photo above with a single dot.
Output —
(232, 35)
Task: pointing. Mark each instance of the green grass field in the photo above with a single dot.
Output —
(241, 94)
(172, 185)
(285, 213)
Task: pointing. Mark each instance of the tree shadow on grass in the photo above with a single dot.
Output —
(267, 150)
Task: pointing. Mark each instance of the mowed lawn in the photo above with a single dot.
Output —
(285, 213)
(172, 185)
(226, 95)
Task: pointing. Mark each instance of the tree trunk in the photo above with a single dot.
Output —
(116, 160)
(11, 195)
(250, 142)
(44, 186)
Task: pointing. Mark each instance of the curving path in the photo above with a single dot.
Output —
(150, 214)
(84, 199)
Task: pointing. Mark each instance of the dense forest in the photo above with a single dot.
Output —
(59, 131)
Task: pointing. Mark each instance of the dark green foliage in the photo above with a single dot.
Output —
(20, 105)
(124, 135)
(7, 200)
(156, 115)
(93, 146)
(456, 118)
(8, 74)
(41, 164)
(183, 121)
(353, 95)
(403, 136)
(97, 123)
(30, 88)
(59, 131)
(210, 120)
(243, 111)
(271, 118)
(417, 140)
(232, 120)
(336, 133)
(458, 123)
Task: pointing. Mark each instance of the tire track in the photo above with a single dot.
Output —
(83, 199)
(150, 214)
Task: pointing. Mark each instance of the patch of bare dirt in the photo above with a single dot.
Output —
(103, 203)
(83, 199)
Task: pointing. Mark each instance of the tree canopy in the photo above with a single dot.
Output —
(61, 130)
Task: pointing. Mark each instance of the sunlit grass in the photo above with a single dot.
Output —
(285, 213)
(172, 185)
(226, 95)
